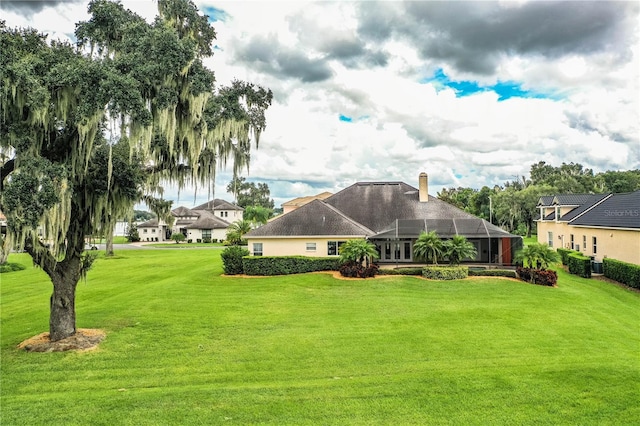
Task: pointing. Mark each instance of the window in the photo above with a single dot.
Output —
(206, 233)
(257, 249)
(584, 242)
(550, 239)
(595, 245)
(572, 245)
(558, 215)
(311, 246)
(153, 231)
(144, 231)
(333, 247)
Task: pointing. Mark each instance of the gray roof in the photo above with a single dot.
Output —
(377, 204)
(217, 204)
(617, 211)
(208, 221)
(151, 223)
(314, 218)
(593, 199)
(571, 199)
(183, 211)
(374, 209)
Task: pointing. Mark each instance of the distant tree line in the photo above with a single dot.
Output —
(512, 205)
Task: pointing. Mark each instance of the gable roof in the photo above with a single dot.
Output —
(314, 218)
(151, 223)
(616, 211)
(571, 199)
(217, 204)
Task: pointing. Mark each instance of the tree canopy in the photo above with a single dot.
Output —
(87, 131)
(250, 193)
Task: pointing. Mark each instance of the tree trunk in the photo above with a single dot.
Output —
(109, 250)
(62, 319)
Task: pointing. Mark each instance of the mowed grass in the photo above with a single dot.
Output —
(187, 346)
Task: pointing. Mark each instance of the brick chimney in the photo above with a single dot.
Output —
(423, 186)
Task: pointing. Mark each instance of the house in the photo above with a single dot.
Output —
(389, 214)
(206, 222)
(301, 201)
(154, 230)
(597, 225)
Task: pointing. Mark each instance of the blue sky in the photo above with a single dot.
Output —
(473, 93)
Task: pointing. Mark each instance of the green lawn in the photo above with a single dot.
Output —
(186, 346)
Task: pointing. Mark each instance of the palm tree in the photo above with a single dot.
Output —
(458, 248)
(428, 247)
(537, 255)
(237, 230)
(360, 251)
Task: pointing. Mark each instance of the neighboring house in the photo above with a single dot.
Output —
(222, 209)
(208, 221)
(154, 230)
(291, 205)
(390, 214)
(597, 225)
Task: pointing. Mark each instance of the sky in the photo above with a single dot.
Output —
(473, 93)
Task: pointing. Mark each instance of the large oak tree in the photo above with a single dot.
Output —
(87, 131)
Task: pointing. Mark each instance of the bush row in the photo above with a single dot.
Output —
(445, 272)
(510, 273)
(579, 265)
(401, 271)
(538, 276)
(564, 255)
(623, 272)
(284, 265)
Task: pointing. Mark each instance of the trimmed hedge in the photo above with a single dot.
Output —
(564, 255)
(579, 265)
(285, 265)
(544, 277)
(623, 272)
(445, 273)
(510, 273)
(401, 271)
(232, 259)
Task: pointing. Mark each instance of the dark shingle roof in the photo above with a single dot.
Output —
(217, 204)
(571, 199)
(594, 199)
(377, 204)
(617, 211)
(314, 218)
(545, 200)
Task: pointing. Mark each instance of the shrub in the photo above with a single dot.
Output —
(538, 276)
(445, 272)
(206, 240)
(189, 240)
(623, 272)
(510, 273)
(178, 237)
(11, 267)
(232, 259)
(579, 265)
(284, 265)
(564, 253)
(401, 271)
(356, 270)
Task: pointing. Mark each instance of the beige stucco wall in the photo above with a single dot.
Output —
(294, 246)
(155, 233)
(216, 234)
(617, 244)
(229, 215)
